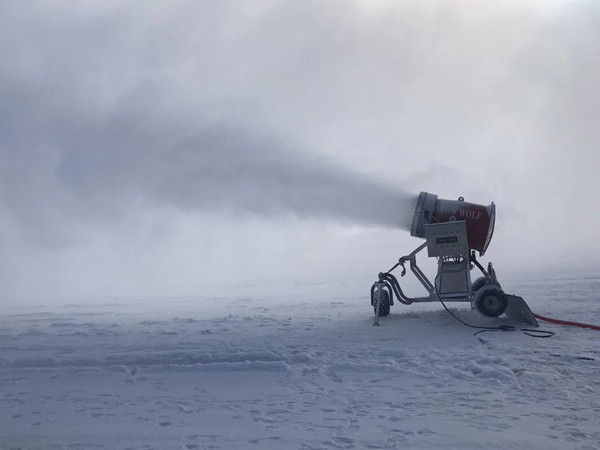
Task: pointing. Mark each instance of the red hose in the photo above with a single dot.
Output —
(566, 322)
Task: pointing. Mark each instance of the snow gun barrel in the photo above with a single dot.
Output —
(479, 219)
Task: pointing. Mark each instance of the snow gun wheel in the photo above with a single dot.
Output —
(491, 301)
(384, 308)
(479, 283)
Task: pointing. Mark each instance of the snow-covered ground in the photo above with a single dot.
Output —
(298, 366)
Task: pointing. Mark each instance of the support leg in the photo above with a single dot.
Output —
(378, 291)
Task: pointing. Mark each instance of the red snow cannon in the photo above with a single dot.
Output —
(453, 230)
(479, 219)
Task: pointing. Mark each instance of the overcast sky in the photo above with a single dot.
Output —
(148, 148)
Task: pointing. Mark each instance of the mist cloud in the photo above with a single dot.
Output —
(222, 168)
(116, 116)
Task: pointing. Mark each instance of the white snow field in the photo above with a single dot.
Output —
(299, 366)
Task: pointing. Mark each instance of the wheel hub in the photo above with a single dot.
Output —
(491, 302)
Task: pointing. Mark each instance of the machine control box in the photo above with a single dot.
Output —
(447, 239)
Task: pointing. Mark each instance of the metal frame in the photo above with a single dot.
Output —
(389, 282)
(416, 270)
(517, 308)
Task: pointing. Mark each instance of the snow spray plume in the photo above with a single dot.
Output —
(225, 169)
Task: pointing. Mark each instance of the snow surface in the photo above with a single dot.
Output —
(298, 366)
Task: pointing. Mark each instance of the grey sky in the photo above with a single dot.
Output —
(148, 148)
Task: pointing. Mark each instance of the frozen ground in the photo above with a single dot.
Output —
(298, 367)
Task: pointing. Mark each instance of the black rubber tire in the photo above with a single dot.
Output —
(384, 308)
(478, 284)
(491, 301)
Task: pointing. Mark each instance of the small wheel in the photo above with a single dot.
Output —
(491, 301)
(384, 308)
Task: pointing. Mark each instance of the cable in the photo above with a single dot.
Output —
(527, 331)
(537, 333)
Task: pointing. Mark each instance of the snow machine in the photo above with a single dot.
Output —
(453, 231)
